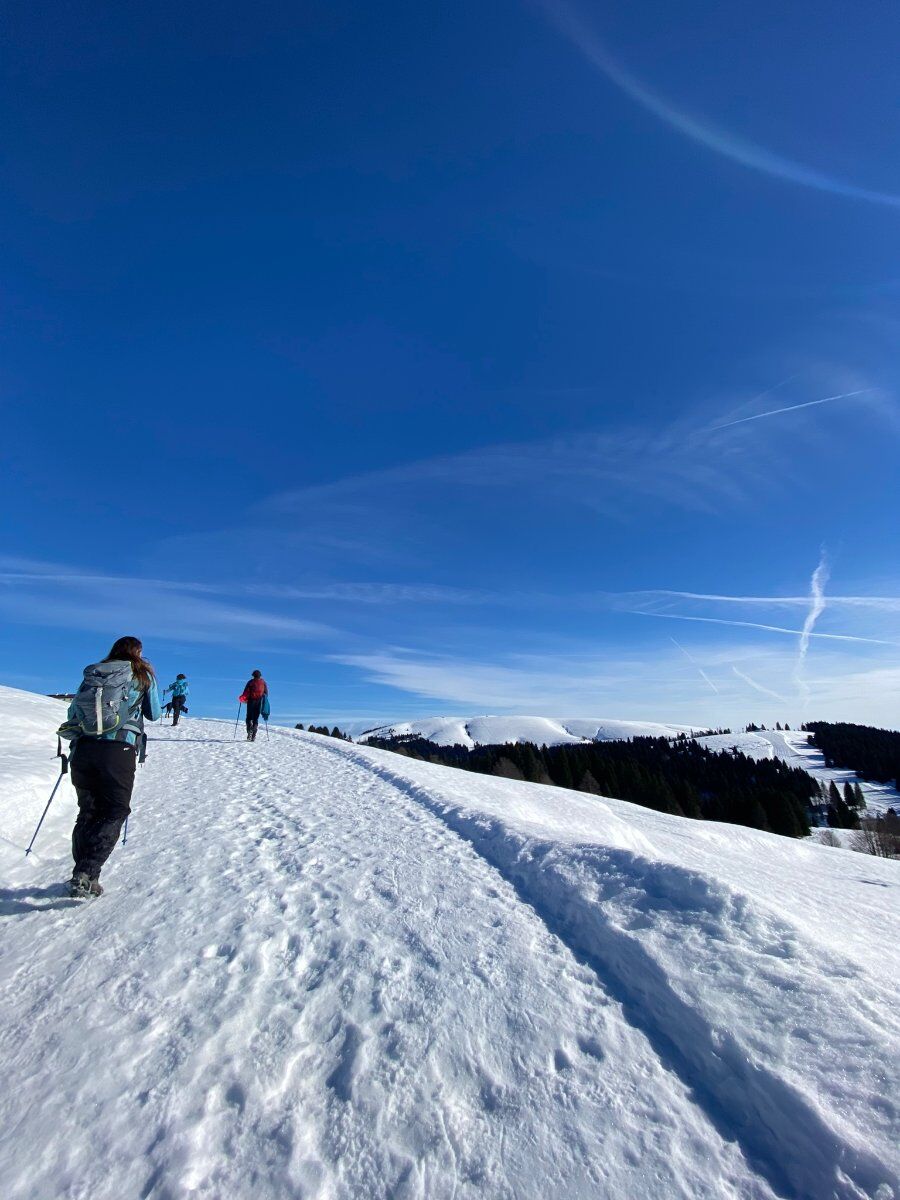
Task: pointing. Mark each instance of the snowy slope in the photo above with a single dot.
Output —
(795, 749)
(754, 745)
(549, 731)
(542, 731)
(322, 970)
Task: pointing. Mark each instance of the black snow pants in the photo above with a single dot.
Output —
(103, 775)
(254, 707)
(177, 707)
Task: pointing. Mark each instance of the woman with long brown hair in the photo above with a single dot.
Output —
(105, 724)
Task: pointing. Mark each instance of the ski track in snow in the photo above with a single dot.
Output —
(317, 973)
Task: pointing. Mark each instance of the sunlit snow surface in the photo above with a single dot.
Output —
(321, 970)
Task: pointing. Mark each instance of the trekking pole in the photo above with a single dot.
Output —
(64, 771)
(236, 721)
(267, 728)
(125, 832)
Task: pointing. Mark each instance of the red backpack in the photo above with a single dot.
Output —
(255, 689)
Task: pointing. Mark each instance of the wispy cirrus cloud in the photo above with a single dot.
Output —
(22, 572)
(654, 684)
(46, 594)
(569, 20)
(686, 463)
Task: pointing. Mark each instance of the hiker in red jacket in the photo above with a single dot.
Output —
(255, 692)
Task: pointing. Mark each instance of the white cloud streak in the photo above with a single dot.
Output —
(19, 571)
(646, 686)
(759, 687)
(693, 660)
(832, 637)
(703, 132)
(817, 606)
(151, 608)
(882, 603)
(774, 412)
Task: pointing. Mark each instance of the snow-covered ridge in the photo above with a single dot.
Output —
(345, 974)
(542, 731)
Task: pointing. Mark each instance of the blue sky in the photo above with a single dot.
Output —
(456, 358)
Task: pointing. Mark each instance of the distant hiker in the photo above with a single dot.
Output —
(105, 725)
(179, 690)
(256, 696)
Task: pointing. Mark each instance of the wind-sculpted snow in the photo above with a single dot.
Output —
(321, 970)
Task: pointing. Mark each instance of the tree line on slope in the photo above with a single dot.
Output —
(325, 731)
(871, 753)
(841, 811)
(672, 776)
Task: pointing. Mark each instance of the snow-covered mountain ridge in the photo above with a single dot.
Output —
(497, 730)
(323, 970)
(790, 745)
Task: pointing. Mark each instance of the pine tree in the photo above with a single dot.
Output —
(507, 769)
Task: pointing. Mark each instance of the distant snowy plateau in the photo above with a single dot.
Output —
(323, 970)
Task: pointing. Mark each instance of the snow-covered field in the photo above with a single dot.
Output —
(321, 970)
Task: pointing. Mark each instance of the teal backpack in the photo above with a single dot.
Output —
(103, 704)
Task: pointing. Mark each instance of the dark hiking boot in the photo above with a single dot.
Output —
(82, 887)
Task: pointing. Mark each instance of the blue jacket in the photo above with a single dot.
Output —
(178, 688)
(140, 704)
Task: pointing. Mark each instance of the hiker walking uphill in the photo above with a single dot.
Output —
(256, 696)
(179, 690)
(105, 724)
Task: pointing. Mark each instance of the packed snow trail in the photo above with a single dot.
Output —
(303, 982)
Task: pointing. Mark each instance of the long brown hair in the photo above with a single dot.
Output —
(130, 649)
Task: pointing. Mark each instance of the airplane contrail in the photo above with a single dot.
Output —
(816, 608)
(758, 686)
(831, 637)
(773, 412)
(885, 603)
(696, 664)
(572, 25)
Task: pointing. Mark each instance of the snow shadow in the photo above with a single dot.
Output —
(16, 901)
(778, 1130)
